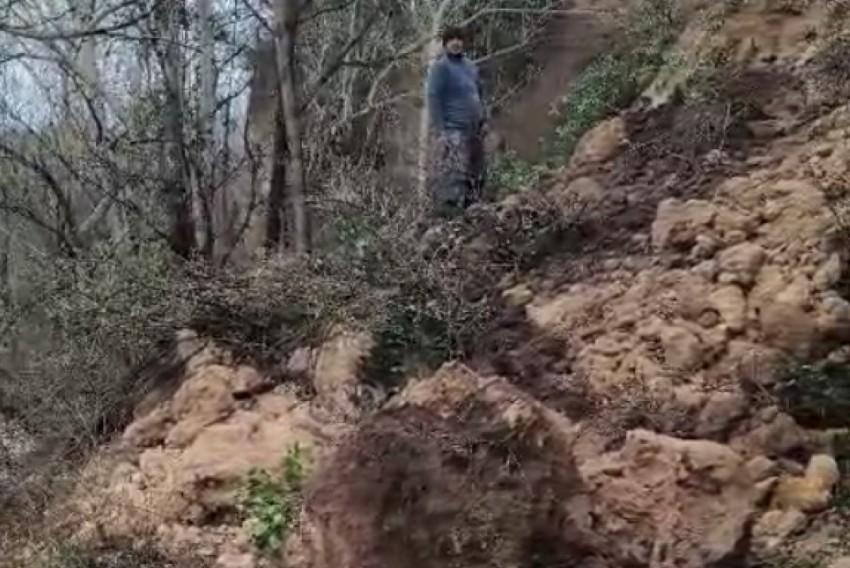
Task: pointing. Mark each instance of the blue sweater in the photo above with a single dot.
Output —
(454, 94)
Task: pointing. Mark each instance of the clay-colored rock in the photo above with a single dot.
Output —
(800, 493)
(720, 414)
(775, 527)
(789, 328)
(824, 469)
(412, 445)
(678, 224)
(682, 349)
(730, 303)
(829, 274)
(520, 295)
(601, 143)
(206, 396)
(779, 437)
(834, 317)
(337, 372)
(811, 492)
(728, 221)
(231, 560)
(149, 430)
(798, 293)
(741, 263)
(656, 489)
(584, 190)
(705, 247)
(753, 363)
(761, 468)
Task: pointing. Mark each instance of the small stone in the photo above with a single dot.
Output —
(801, 493)
(707, 269)
(730, 302)
(742, 262)
(761, 468)
(230, 560)
(774, 528)
(705, 247)
(518, 296)
(733, 238)
(709, 319)
(682, 349)
(689, 396)
(824, 470)
(720, 414)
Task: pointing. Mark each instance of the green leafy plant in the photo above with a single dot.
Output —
(613, 80)
(272, 500)
(512, 174)
(816, 395)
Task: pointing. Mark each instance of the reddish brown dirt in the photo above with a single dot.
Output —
(467, 491)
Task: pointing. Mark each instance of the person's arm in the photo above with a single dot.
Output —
(436, 80)
(485, 118)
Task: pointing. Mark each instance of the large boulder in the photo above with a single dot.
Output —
(601, 143)
(661, 501)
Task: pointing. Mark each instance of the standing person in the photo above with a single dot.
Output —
(458, 120)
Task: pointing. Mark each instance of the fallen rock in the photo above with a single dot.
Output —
(682, 349)
(600, 144)
(696, 497)
(730, 303)
(790, 328)
(812, 492)
(761, 468)
(518, 296)
(720, 414)
(775, 527)
(753, 364)
(834, 318)
(778, 437)
(337, 372)
(741, 263)
(678, 224)
(829, 274)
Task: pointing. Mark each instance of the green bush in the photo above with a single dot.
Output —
(613, 79)
(512, 174)
(271, 501)
(816, 395)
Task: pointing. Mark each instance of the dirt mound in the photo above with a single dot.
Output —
(176, 475)
(461, 471)
(465, 470)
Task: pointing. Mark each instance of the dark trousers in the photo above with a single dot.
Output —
(461, 170)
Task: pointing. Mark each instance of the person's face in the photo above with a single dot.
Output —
(455, 46)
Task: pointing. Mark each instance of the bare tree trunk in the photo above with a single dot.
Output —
(275, 216)
(204, 229)
(287, 29)
(175, 187)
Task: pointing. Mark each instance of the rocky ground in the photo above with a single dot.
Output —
(629, 418)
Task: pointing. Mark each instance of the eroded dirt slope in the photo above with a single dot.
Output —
(625, 420)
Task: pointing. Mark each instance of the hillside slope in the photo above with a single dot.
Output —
(659, 397)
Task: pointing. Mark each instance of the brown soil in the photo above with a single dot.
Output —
(459, 488)
(567, 45)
